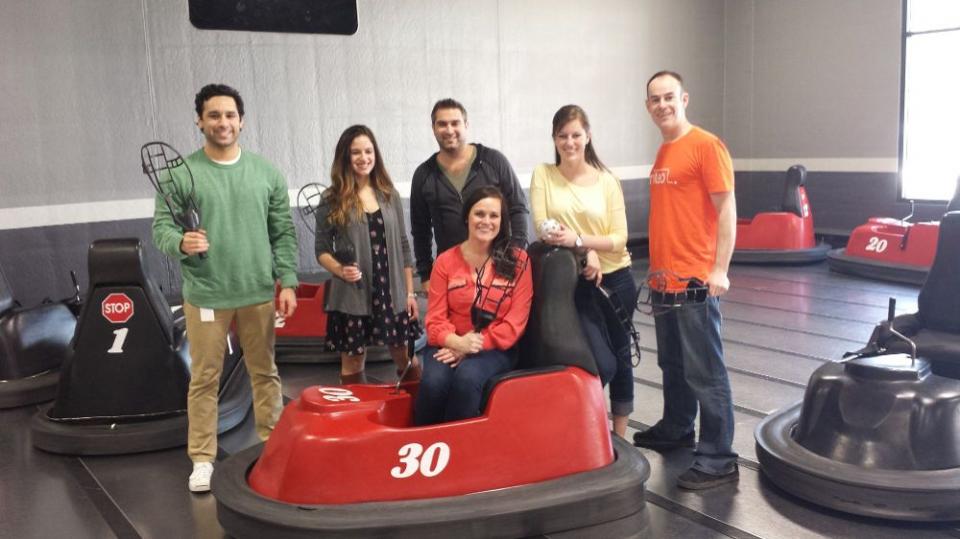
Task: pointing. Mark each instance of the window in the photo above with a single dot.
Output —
(930, 136)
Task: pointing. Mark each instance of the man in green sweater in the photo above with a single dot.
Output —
(250, 244)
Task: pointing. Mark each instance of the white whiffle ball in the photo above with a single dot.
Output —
(546, 228)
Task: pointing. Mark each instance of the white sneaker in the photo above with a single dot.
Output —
(200, 478)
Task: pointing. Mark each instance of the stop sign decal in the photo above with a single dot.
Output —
(117, 308)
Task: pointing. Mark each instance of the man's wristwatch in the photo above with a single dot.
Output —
(578, 243)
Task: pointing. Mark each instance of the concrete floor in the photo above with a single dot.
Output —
(779, 325)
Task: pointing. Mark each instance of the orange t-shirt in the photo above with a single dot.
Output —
(683, 220)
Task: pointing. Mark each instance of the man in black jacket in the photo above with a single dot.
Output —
(442, 182)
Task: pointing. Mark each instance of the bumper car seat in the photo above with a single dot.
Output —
(123, 386)
(33, 343)
(783, 236)
(879, 434)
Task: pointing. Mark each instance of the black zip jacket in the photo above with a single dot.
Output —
(436, 205)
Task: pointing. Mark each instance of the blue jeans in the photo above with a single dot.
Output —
(690, 354)
(608, 338)
(451, 393)
(620, 284)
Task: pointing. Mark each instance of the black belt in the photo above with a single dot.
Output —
(693, 295)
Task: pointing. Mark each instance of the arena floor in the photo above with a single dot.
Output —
(779, 325)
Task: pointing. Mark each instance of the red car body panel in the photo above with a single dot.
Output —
(777, 230)
(894, 241)
(356, 443)
(309, 319)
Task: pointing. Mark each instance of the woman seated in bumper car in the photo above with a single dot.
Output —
(480, 296)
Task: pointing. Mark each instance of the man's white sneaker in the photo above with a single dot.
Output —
(200, 478)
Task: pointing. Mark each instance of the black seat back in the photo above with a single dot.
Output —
(6, 294)
(119, 262)
(954, 204)
(792, 200)
(553, 335)
(122, 368)
(939, 300)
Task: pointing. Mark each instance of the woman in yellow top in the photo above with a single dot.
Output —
(585, 198)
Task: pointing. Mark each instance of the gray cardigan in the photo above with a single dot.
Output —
(347, 297)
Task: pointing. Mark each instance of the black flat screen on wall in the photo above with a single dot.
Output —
(300, 16)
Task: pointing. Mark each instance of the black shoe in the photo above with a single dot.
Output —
(697, 480)
(653, 439)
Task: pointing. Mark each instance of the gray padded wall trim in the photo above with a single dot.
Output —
(39, 260)
(840, 201)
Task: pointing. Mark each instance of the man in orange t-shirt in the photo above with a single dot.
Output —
(693, 221)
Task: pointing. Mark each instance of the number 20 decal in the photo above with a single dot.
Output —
(876, 244)
(429, 463)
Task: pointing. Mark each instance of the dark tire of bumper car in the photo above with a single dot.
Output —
(29, 390)
(841, 262)
(608, 501)
(922, 495)
(137, 436)
(781, 256)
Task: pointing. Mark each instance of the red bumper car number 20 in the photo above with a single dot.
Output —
(429, 463)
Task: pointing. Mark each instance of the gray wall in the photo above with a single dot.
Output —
(816, 82)
(812, 78)
(86, 82)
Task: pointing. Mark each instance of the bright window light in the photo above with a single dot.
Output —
(930, 158)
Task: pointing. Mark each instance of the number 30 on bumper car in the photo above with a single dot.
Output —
(345, 461)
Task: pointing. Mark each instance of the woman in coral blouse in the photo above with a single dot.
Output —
(480, 295)
(585, 198)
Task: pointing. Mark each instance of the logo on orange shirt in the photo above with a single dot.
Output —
(661, 176)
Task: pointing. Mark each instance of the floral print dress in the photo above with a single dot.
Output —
(351, 334)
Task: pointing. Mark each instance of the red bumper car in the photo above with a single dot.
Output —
(784, 236)
(891, 249)
(301, 338)
(346, 461)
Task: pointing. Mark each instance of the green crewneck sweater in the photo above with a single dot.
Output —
(245, 209)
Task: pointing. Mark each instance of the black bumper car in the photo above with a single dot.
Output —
(783, 236)
(345, 461)
(123, 385)
(879, 434)
(33, 342)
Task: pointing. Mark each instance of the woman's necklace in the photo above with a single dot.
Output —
(476, 260)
